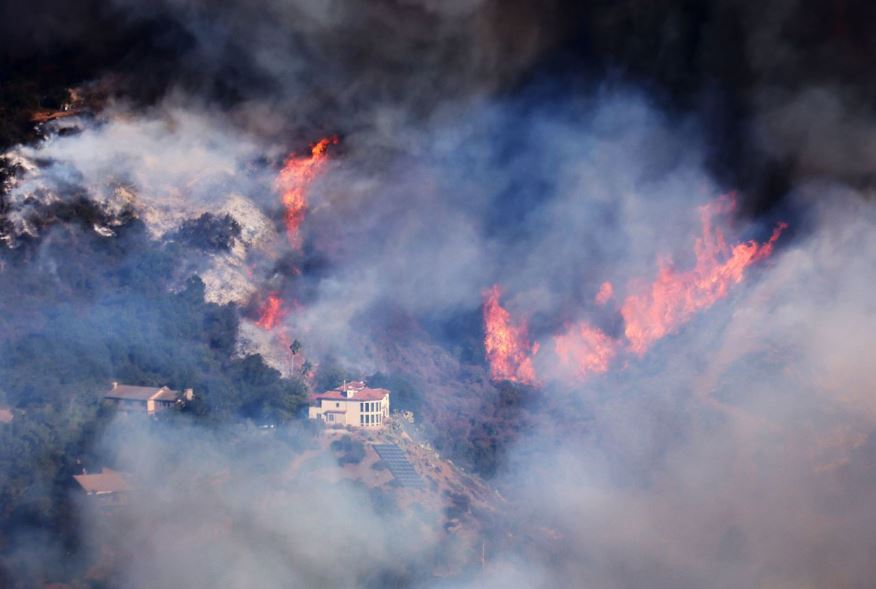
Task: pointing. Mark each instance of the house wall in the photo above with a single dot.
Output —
(130, 405)
(359, 413)
(136, 406)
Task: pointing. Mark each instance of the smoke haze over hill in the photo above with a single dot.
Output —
(666, 206)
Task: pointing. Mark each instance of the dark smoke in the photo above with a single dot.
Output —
(773, 85)
(545, 147)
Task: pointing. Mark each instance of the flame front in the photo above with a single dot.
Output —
(293, 182)
(508, 349)
(673, 297)
(649, 312)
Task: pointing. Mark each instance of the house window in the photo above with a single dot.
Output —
(361, 420)
(362, 407)
(337, 405)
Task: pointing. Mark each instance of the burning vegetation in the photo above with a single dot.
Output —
(529, 343)
(271, 312)
(658, 309)
(650, 312)
(507, 344)
(293, 181)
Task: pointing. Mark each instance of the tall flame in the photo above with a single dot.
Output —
(293, 181)
(650, 312)
(675, 296)
(508, 349)
(271, 312)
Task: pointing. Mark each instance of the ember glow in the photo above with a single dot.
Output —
(507, 344)
(294, 180)
(674, 296)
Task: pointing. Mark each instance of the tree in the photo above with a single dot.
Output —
(330, 374)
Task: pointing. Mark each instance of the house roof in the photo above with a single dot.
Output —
(360, 395)
(136, 393)
(107, 481)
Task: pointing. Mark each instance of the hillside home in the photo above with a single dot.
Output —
(352, 404)
(108, 488)
(145, 400)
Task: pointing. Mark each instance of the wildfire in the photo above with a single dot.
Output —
(293, 181)
(586, 349)
(271, 312)
(675, 296)
(508, 349)
(650, 312)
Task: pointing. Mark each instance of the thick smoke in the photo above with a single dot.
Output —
(741, 458)
(276, 512)
(737, 455)
(546, 150)
(422, 219)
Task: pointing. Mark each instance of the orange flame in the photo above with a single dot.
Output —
(586, 349)
(652, 313)
(508, 349)
(271, 312)
(293, 181)
(675, 296)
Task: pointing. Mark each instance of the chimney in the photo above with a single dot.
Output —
(188, 394)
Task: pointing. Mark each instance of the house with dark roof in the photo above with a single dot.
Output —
(352, 404)
(146, 400)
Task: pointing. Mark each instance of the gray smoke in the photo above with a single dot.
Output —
(737, 452)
